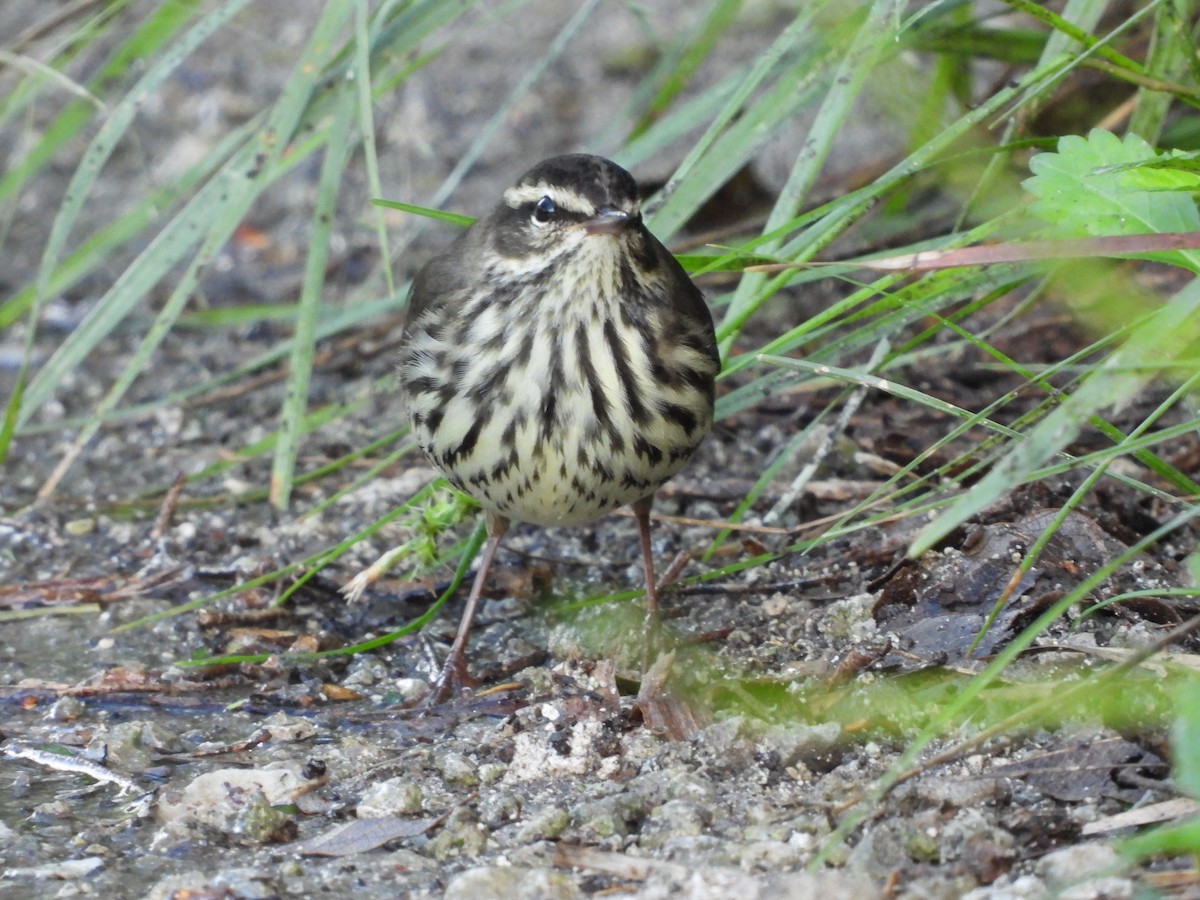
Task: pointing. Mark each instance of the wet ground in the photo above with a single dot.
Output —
(790, 687)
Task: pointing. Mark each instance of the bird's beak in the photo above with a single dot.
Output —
(607, 221)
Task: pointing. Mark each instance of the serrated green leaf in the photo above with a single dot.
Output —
(1080, 193)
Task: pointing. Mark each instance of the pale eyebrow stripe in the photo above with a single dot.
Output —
(565, 197)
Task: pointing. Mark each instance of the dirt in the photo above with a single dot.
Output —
(787, 688)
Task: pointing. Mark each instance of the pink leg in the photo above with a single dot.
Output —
(651, 650)
(454, 677)
(641, 509)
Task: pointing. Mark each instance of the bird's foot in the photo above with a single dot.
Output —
(452, 681)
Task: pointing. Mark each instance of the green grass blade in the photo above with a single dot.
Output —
(145, 43)
(1162, 335)
(694, 48)
(562, 41)
(342, 141)
(84, 177)
(96, 250)
(361, 73)
(438, 215)
(738, 96)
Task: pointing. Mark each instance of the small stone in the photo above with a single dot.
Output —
(510, 883)
(52, 811)
(457, 769)
(548, 823)
(410, 689)
(674, 819)
(462, 835)
(498, 809)
(536, 756)
(813, 745)
(719, 883)
(394, 797)
(491, 772)
(68, 870)
(960, 793)
(1084, 872)
(768, 856)
(235, 801)
(260, 822)
(289, 729)
(365, 671)
(884, 848)
(249, 883)
(852, 618)
(124, 747)
(65, 709)
(609, 816)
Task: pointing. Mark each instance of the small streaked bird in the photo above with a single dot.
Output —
(558, 362)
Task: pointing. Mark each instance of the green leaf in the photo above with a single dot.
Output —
(1152, 179)
(1170, 840)
(1185, 739)
(1080, 192)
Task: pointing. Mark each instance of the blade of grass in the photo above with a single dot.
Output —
(1171, 58)
(787, 42)
(361, 73)
(311, 563)
(861, 57)
(562, 41)
(80, 186)
(145, 43)
(469, 552)
(843, 212)
(794, 88)
(51, 76)
(956, 706)
(1163, 335)
(219, 208)
(694, 48)
(96, 250)
(342, 141)
(222, 203)
(437, 215)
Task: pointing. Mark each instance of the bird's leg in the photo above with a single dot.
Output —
(641, 510)
(454, 675)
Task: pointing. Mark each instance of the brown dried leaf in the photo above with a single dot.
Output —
(362, 835)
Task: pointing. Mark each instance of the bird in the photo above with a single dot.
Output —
(558, 363)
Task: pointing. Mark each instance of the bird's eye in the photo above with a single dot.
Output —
(544, 211)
